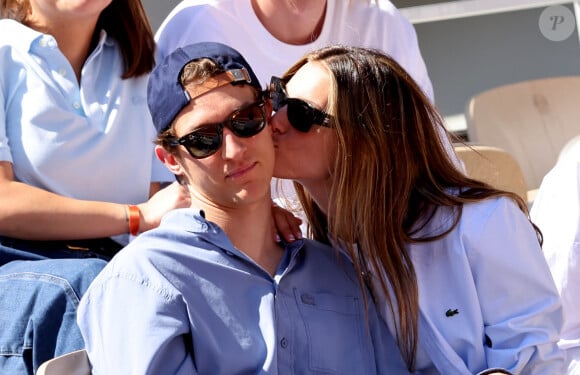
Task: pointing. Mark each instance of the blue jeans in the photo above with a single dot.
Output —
(38, 305)
(15, 249)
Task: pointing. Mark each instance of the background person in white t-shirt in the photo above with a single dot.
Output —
(275, 33)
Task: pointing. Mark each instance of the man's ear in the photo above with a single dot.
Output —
(169, 160)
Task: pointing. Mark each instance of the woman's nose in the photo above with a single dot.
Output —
(279, 121)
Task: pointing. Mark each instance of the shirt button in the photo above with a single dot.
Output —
(43, 42)
(284, 343)
(76, 105)
(62, 71)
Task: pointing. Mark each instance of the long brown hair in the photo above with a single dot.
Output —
(123, 20)
(392, 172)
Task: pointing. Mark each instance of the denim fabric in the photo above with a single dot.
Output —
(38, 305)
(14, 249)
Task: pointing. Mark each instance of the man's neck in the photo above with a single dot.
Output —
(291, 21)
(249, 228)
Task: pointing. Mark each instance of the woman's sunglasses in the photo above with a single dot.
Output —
(207, 139)
(301, 114)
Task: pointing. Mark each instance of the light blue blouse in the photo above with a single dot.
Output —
(486, 296)
(91, 140)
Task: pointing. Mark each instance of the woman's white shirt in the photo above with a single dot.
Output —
(486, 296)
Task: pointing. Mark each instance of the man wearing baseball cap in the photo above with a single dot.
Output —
(210, 291)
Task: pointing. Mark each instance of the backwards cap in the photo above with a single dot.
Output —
(166, 96)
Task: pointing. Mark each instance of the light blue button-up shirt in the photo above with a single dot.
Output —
(91, 139)
(486, 295)
(181, 299)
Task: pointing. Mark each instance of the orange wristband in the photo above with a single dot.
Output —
(134, 219)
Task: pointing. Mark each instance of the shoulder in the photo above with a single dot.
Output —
(155, 256)
(566, 173)
(190, 7)
(382, 9)
(16, 35)
(474, 216)
(197, 21)
(377, 24)
(19, 48)
(335, 263)
(495, 231)
(178, 229)
(491, 226)
(556, 208)
(562, 182)
(320, 250)
(571, 151)
(496, 223)
(9, 25)
(490, 208)
(193, 13)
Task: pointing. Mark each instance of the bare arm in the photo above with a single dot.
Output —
(34, 214)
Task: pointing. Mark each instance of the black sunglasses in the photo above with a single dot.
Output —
(207, 139)
(301, 114)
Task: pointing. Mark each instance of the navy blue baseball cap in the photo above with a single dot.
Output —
(166, 96)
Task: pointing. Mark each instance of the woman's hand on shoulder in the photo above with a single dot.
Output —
(285, 225)
(170, 197)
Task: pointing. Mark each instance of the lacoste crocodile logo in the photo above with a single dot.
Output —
(449, 313)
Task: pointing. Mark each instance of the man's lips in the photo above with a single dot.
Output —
(239, 172)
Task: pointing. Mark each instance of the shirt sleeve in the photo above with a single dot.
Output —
(556, 211)
(416, 64)
(178, 29)
(519, 302)
(131, 327)
(407, 51)
(5, 154)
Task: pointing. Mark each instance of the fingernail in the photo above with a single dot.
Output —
(291, 237)
(278, 239)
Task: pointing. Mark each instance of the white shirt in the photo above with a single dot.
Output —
(233, 22)
(486, 296)
(92, 140)
(556, 211)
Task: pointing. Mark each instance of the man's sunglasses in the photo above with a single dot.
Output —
(207, 139)
(301, 114)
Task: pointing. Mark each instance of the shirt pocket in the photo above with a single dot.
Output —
(336, 332)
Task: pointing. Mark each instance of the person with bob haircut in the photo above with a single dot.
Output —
(455, 265)
(210, 291)
(77, 163)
